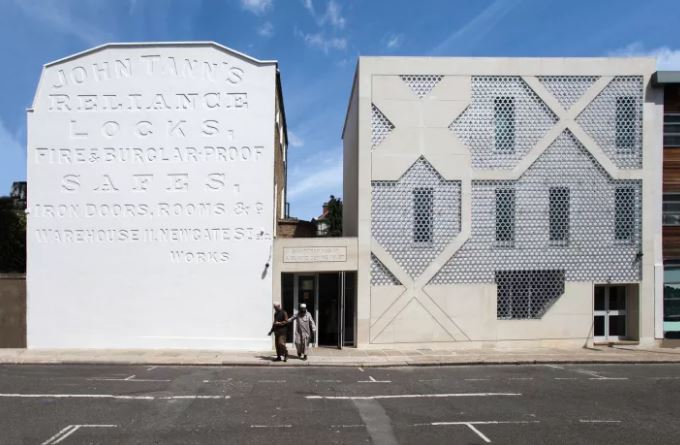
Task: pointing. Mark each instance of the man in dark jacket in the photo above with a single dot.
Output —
(280, 332)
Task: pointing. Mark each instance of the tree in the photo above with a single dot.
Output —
(332, 217)
(12, 237)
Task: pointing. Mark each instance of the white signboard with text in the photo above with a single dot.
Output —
(150, 172)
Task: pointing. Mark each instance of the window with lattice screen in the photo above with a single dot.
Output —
(505, 216)
(624, 203)
(626, 109)
(504, 117)
(527, 294)
(422, 214)
(559, 215)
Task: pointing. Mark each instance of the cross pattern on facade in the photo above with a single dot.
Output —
(420, 125)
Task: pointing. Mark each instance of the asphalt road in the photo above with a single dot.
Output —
(542, 404)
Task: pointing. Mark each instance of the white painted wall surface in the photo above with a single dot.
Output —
(150, 224)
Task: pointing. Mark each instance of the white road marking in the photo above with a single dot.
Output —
(415, 396)
(361, 369)
(217, 381)
(106, 396)
(476, 380)
(554, 366)
(372, 380)
(328, 381)
(151, 368)
(598, 421)
(65, 432)
(480, 422)
(521, 378)
(348, 426)
(594, 375)
(271, 426)
(565, 378)
(479, 433)
(132, 378)
(271, 381)
(471, 425)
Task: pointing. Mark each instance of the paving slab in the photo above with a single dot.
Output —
(345, 357)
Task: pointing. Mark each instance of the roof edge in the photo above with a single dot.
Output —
(149, 44)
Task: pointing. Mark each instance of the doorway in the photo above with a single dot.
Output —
(331, 300)
(610, 322)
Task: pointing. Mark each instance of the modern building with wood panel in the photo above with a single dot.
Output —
(669, 83)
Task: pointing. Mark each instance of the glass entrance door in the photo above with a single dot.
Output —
(307, 291)
(610, 314)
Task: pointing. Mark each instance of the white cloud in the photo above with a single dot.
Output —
(477, 28)
(317, 179)
(8, 141)
(266, 30)
(332, 15)
(294, 140)
(394, 41)
(257, 7)
(666, 58)
(59, 16)
(320, 41)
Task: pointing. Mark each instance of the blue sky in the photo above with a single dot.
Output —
(317, 43)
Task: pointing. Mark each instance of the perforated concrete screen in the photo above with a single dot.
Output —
(595, 249)
(151, 207)
(536, 183)
(414, 217)
(504, 121)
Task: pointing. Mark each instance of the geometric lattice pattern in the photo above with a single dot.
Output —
(496, 99)
(380, 126)
(415, 217)
(567, 89)
(526, 294)
(421, 84)
(604, 231)
(614, 120)
(380, 275)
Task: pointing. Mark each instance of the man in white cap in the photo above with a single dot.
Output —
(305, 326)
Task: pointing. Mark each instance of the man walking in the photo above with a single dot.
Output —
(280, 332)
(304, 329)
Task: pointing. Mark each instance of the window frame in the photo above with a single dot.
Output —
(510, 193)
(424, 215)
(501, 124)
(554, 226)
(625, 139)
(671, 139)
(631, 191)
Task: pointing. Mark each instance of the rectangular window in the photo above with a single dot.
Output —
(505, 216)
(527, 294)
(671, 301)
(671, 130)
(671, 209)
(559, 215)
(624, 224)
(626, 123)
(422, 214)
(504, 115)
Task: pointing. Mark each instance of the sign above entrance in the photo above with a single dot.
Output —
(314, 254)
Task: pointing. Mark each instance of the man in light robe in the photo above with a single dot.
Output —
(304, 329)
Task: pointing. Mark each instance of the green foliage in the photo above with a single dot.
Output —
(12, 237)
(334, 216)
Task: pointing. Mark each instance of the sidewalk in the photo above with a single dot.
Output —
(345, 357)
